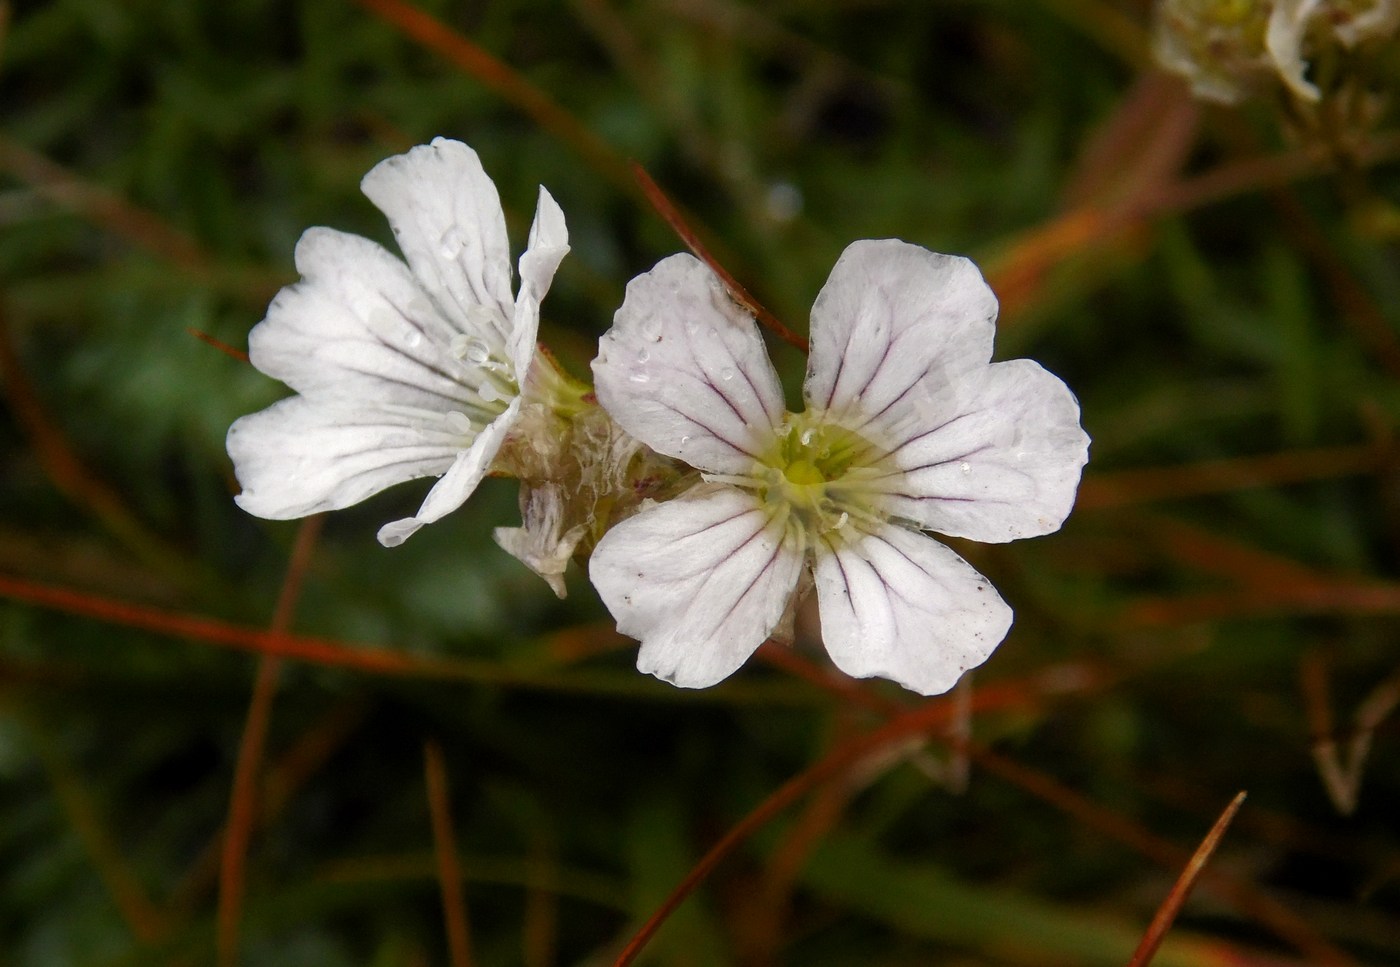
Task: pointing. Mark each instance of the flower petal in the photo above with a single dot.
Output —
(549, 243)
(899, 605)
(892, 317)
(684, 370)
(357, 327)
(448, 221)
(461, 479)
(701, 580)
(996, 457)
(1288, 23)
(300, 457)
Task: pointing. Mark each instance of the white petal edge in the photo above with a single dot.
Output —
(461, 479)
(997, 457)
(1283, 38)
(892, 318)
(684, 370)
(549, 243)
(701, 581)
(447, 218)
(299, 457)
(899, 605)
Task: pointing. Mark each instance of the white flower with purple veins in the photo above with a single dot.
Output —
(401, 370)
(908, 427)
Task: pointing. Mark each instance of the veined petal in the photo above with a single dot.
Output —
(896, 604)
(684, 370)
(357, 327)
(448, 221)
(701, 580)
(549, 243)
(300, 457)
(894, 317)
(999, 460)
(465, 473)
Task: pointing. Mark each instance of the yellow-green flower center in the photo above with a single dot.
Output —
(813, 473)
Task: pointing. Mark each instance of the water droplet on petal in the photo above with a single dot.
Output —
(452, 243)
(638, 376)
(488, 392)
(807, 435)
(459, 422)
(643, 356)
(965, 467)
(726, 374)
(413, 337)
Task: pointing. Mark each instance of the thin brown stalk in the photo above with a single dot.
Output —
(926, 718)
(1181, 889)
(668, 211)
(507, 82)
(243, 801)
(301, 760)
(454, 903)
(218, 344)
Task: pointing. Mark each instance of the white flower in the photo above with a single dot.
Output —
(907, 426)
(402, 371)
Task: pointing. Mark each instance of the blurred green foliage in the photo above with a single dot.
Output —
(158, 161)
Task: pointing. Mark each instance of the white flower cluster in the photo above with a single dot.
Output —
(1231, 49)
(706, 508)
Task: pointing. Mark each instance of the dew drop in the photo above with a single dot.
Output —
(726, 374)
(458, 422)
(807, 435)
(469, 348)
(488, 392)
(643, 356)
(638, 376)
(965, 467)
(413, 337)
(452, 243)
(685, 440)
(842, 520)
